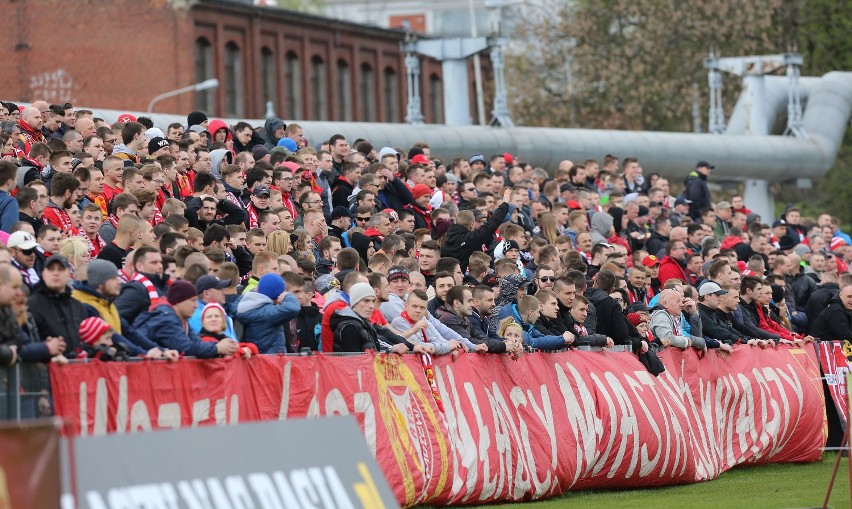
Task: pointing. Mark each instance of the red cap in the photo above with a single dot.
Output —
(420, 159)
(574, 205)
(742, 266)
(634, 319)
(126, 117)
(420, 190)
(650, 261)
(508, 157)
(392, 213)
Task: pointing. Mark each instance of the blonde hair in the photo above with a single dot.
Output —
(505, 324)
(278, 242)
(547, 225)
(76, 249)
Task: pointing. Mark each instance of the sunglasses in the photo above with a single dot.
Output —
(28, 252)
(547, 279)
(362, 218)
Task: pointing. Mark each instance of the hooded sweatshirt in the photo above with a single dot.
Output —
(600, 227)
(271, 125)
(264, 320)
(216, 158)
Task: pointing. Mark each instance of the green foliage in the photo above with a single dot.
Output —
(634, 64)
(309, 6)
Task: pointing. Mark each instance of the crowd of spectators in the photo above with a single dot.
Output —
(205, 239)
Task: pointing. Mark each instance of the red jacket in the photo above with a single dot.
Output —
(670, 268)
(327, 335)
(770, 325)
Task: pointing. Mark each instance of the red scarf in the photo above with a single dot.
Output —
(184, 186)
(428, 368)
(153, 295)
(580, 330)
(124, 276)
(113, 220)
(100, 201)
(310, 177)
(252, 216)
(288, 204)
(94, 247)
(57, 216)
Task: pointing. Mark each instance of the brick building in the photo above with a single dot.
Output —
(119, 54)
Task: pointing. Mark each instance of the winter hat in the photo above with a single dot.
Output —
(510, 245)
(634, 319)
(213, 306)
(92, 328)
(156, 144)
(181, 291)
(398, 272)
(359, 292)
(100, 271)
(388, 150)
(259, 152)
(195, 118)
(154, 132)
(288, 143)
(326, 283)
(272, 285)
(126, 117)
(786, 243)
(441, 227)
(420, 190)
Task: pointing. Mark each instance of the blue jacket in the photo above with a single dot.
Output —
(264, 320)
(532, 337)
(195, 321)
(8, 211)
(164, 327)
(477, 322)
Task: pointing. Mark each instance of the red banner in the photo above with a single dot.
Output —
(510, 430)
(835, 366)
(29, 465)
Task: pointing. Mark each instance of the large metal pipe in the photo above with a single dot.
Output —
(668, 153)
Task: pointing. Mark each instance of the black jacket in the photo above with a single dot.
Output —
(718, 325)
(746, 320)
(697, 191)
(460, 243)
(341, 189)
(610, 319)
(134, 300)
(57, 314)
(801, 286)
(834, 323)
(395, 195)
(352, 333)
(228, 212)
(819, 300)
(656, 244)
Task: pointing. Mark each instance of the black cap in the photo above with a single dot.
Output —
(57, 259)
(208, 282)
(704, 164)
(643, 211)
(339, 212)
(260, 190)
(567, 187)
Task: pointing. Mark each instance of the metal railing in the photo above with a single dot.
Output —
(25, 392)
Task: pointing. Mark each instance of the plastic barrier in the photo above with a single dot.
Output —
(510, 430)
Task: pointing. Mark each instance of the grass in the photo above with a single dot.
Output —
(767, 486)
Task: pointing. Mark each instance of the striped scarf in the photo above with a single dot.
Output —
(94, 248)
(428, 368)
(153, 295)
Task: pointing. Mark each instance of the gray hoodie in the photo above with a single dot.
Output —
(600, 227)
(216, 158)
(662, 327)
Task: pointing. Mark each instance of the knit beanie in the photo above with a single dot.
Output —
(272, 285)
(195, 118)
(359, 292)
(288, 143)
(419, 190)
(92, 328)
(634, 319)
(100, 271)
(180, 291)
(212, 306)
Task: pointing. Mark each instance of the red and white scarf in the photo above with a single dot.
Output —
(153, 295)
(580, 330)
(94, 248)
(252, 216)
(428, 368)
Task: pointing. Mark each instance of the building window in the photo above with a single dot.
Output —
(233, 81)
(344, 91)
(367, 94)
(436, 99)
(319, 91)
(203, 71)
(390, 92)
(269, 79)
(292, 86)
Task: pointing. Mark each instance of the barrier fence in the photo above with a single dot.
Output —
(487, 428)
